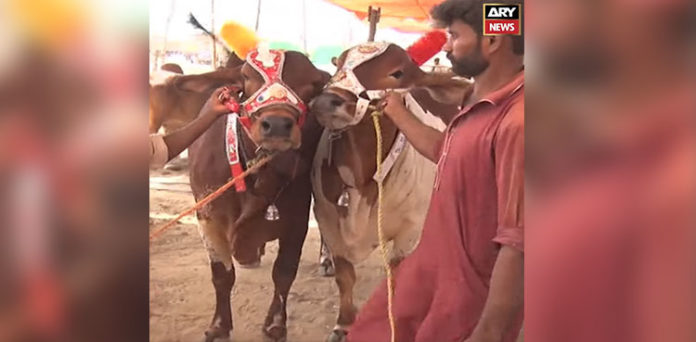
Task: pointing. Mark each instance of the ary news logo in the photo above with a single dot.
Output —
(501, 19)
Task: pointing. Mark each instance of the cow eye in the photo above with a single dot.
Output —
(397, 74)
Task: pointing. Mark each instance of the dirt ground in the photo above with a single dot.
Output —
(182, 297)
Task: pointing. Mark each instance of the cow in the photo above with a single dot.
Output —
(236, 225)
(343, 180)
(176, 99)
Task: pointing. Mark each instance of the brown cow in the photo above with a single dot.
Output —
(345, 192)
(234, 225)
(175, 101)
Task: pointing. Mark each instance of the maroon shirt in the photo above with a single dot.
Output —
(477, 205)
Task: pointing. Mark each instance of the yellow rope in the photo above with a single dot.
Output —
(382, 242)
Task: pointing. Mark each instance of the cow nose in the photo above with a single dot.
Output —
(276, 127)
(327, 102)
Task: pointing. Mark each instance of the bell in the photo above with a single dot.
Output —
(272, 213)
(344, 199)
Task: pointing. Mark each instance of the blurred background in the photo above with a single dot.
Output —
(611, 158)
(610, 119)
(73, 174)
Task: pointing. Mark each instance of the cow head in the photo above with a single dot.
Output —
(377, 66)
(273, 88)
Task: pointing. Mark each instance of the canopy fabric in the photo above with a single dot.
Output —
(407, 25)
(403, 15)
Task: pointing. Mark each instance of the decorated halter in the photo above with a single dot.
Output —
(269, 63)
(346, 79)
(422, 50)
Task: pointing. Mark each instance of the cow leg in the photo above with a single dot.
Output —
(345, 278)
(326, 264)
(221, 326)
(257, 262)
(284, 272)
(155, 121)
(213, 234)
(177, 163)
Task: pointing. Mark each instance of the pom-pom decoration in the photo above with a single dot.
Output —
(427, 46)
(238, 38)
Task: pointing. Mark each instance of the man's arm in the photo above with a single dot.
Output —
(181, 139)
(427, 140)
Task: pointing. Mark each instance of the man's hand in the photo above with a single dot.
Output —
(219, 103)
(424, 138)
(393, 105)
(505, 297)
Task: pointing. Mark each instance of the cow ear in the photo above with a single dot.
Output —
(323, 79)
(206, 82)
(445, 88)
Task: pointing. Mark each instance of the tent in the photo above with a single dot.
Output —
(404, 15)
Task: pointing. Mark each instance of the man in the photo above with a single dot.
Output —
(164, 148)
(437, 67)
(464, 282)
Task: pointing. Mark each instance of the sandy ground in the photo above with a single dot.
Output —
(182, 296)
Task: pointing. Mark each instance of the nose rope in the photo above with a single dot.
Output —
(380, 231)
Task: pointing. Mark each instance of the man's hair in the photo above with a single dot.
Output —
(471, 13)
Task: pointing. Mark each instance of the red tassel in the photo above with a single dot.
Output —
(427, 46)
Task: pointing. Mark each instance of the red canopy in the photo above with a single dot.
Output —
(403, 15)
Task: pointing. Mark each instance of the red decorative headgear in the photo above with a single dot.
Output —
(427, 46)
(269, 63)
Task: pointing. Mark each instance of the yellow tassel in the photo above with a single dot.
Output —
(238, 38)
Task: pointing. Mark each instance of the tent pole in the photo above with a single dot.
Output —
(304, 26)
(212, 26)
(373, 17)
(258, 16)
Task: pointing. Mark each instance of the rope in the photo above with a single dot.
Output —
(380, 233)
(210, 197)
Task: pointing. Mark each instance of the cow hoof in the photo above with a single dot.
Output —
(326, 268)
(251, 265)
(275, 334)
(217, 339)
(337, 335)
(215, 335)
(176, 165)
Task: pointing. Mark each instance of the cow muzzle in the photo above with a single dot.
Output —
(276, 131)
(333, 111)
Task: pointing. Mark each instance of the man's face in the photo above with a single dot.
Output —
(463, 49)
